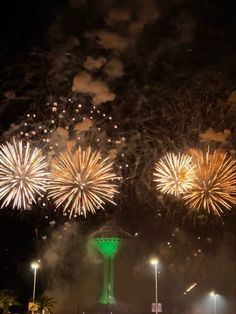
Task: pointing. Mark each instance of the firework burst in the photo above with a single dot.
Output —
(82, 181)
(213, 189)
(23, 174)
(174, 174)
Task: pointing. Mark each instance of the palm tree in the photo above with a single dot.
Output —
(7, 299)
(45, 303)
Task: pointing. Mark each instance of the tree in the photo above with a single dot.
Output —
(7, 299)
(45, 303)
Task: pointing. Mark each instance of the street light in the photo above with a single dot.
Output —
(214, 295)
(154, 262)
(34, 266)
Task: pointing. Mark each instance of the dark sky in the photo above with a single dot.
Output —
(173, 80)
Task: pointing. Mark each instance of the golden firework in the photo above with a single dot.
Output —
(213, 189)
(174, 174)
(22, 174)
(82, 181)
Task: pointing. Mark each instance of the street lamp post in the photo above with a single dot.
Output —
(214, 295)
(34, 266)
(154, 262)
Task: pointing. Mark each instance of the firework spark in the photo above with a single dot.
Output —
(82, 181)
(22, 174)
(66, 123)
(190, 288)
(213, 189)
(174, 174)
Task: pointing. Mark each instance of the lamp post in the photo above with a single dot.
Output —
(214, 295)
(154, 262)
(34, 266)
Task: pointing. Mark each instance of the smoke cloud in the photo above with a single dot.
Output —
(100, 92)
(94, 64)
(114, 68)
(211, 135)
(109, 40)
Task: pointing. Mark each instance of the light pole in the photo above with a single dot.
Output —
(214, 295)
(154, 262)
(34, 266)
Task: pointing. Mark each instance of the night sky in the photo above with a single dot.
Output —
(153, 77)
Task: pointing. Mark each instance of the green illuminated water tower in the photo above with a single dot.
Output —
(108, 241)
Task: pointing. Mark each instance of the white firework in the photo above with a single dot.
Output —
(174, 174)
(82, 182)
(23, 174)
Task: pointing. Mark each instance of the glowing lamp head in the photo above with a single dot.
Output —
(35, 265)
(212, 294)
(154, 261)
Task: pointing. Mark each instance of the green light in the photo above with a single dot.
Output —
(108, 247)
(108, 241)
